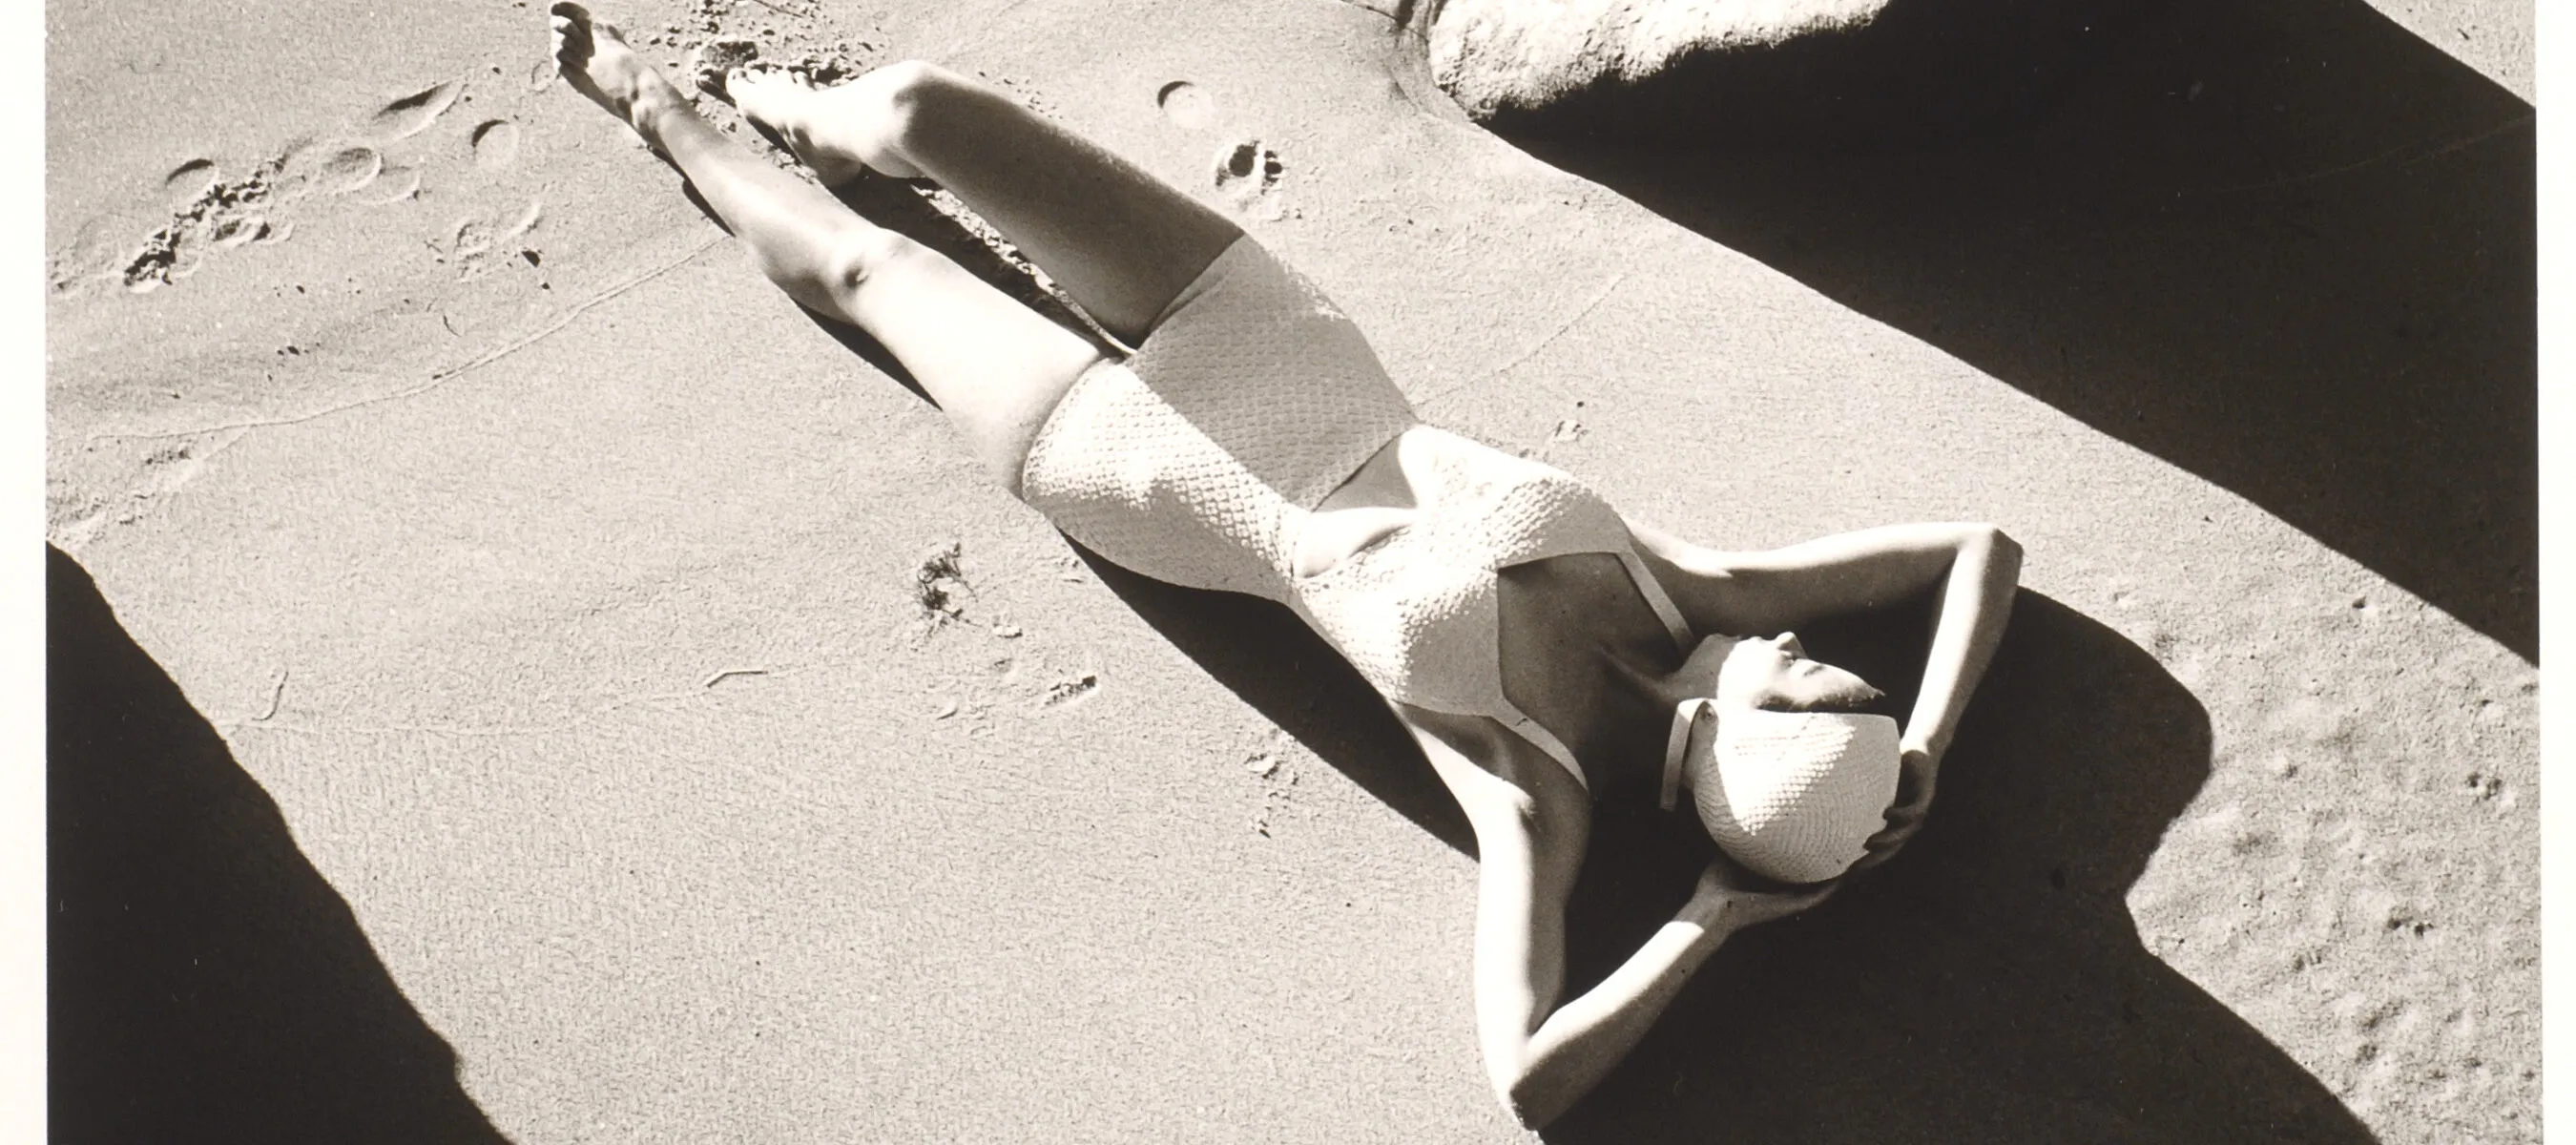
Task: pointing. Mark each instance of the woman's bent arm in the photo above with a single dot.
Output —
(1578, 1045)
(1766, 593)
(1531, 823)
(1974, 569)
(1976, 600)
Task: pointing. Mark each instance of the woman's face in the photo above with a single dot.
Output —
(1774, 672)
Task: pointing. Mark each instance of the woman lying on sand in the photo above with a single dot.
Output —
(1538, 646)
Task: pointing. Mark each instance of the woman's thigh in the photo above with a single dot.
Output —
(994, 366)
(1121, 242)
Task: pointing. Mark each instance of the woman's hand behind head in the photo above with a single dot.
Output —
(1743, 899)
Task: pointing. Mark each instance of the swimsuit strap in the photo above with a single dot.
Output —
(1543, 739)
(1674, 625)
(1657, 598)
(1676, 744)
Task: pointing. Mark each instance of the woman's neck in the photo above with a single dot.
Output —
(1694, 677)
(1697, 675)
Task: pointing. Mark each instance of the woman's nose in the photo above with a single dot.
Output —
(1789, 644)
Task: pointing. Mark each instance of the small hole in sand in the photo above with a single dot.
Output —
(1186, 105)
(189, 180)
(496, 143)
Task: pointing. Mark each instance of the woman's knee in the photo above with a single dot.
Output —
(827, 277)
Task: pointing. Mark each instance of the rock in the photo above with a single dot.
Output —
(1518, 54)
(1772, 71)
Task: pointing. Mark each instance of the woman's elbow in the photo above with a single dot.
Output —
(2006, 554)
(1998, 546)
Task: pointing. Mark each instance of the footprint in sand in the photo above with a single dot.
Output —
(208, 212)
(397, 184)
(221, 214)
(91, 256)
(469, 238)
(307, 168)
(1247, 174)
(348, 168)
(1071, 689)
(1187, 105)
(496, 144)
(412, 114)
(234, 232)
(472, 243)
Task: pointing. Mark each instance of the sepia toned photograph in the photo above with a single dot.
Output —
(1593, 571)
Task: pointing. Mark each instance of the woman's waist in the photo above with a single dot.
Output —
(1430, 493)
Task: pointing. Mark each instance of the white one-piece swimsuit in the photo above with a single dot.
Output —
(1198, 461)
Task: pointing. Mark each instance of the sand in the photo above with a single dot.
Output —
(567, 695)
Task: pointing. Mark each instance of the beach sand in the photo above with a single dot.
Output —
(588, 666)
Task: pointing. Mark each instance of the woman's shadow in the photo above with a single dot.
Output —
(1987, 986)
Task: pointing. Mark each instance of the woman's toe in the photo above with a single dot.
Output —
(759, 95)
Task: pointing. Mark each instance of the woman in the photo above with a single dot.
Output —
(1532, 641)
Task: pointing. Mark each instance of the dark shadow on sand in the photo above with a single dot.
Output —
(1270, 659)
(203, 982)
(2285, 245)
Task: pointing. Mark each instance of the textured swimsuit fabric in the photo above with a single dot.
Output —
(1195, 460)
(1199, 459)
(1409, 607)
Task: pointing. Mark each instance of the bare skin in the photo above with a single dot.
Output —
(995, 366)
(815, 123)
(1581, 650)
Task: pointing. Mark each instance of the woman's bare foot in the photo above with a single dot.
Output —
(597, 63)
(841, 132)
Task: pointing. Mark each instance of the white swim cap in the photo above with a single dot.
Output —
(1791, 795)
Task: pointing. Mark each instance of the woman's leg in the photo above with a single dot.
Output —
(1122, 243)
(996, 367)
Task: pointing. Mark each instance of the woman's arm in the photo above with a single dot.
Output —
(1975, 567)
(1968, 622)
(1531, 823)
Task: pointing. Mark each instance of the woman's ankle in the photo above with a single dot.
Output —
(660, 109)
